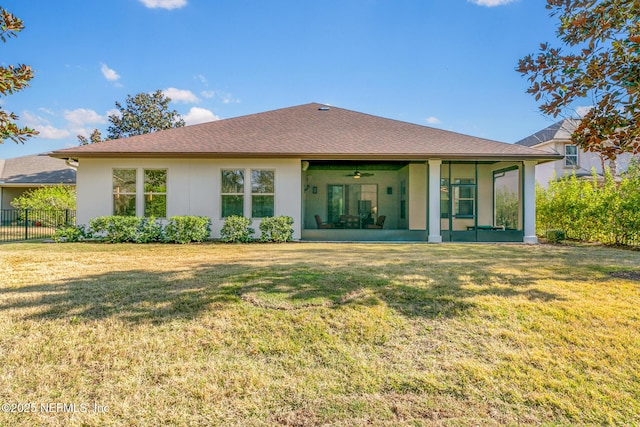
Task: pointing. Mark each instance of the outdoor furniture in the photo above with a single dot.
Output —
(379, 223)
(351, 221)
(322, 224)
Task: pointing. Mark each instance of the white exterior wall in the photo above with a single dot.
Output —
(587, 161)
(417, 188)
(193, 187)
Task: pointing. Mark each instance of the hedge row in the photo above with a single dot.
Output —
(592, 210)
(131, 229)
(178, 229)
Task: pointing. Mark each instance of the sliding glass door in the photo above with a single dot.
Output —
(352, 205)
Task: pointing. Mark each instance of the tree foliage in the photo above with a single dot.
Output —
(51, 198)
(600, 61)
(13, 78)
(94, 138)
(592, 210)
(143, 113)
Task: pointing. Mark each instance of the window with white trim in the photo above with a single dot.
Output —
(232, 191)
(124, 192)
(155, 193)
(570, 156)
(262, 193)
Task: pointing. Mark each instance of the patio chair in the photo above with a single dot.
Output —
(379, 223)
(322, 224)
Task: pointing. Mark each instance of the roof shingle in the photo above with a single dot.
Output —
(310, 131)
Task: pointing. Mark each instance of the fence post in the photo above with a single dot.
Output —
(66, 217)
(26, 224)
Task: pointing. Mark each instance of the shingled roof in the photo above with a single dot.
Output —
(311, 131)
(35, 170)
(561, 130)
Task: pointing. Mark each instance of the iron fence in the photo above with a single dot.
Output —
(33, 224)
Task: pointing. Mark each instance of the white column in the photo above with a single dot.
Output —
(530, 202)
(434, 201)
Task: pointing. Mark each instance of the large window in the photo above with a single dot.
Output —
(155, 193)
(232, 192)
(352, 206)
(124, 192)
(570, 156)
(262, 193)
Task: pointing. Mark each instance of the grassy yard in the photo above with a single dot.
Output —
(312, 334)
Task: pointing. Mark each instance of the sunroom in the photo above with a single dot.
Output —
(477, 201)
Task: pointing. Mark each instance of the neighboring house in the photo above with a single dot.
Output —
(557, 139)
(364, 177)
(20, 174)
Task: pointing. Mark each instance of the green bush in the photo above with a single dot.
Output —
(556, 235)
(149, 231)
(596, 210)
(236, 229)
(115, 229)
(276, 229)
(71, 233)
(186, 229)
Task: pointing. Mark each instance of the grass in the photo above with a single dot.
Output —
(314, 334)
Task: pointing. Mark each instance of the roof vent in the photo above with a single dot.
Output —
(324, 109)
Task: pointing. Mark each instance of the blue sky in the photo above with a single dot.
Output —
(443, 63)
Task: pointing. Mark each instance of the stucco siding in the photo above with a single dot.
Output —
(193, 187)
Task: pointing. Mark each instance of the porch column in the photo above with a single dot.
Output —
(434, 201)
(530, 202)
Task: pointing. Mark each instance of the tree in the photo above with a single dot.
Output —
(602, 64)
(143, 113)
(12, 79)
(94, 138)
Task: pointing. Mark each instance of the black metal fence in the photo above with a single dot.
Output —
(32, 224)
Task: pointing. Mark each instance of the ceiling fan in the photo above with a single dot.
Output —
(357, 174)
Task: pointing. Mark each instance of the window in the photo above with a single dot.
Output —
(124, 192)
(464, 196)
(444, 198)
(570, 156)
(232, 192)
(155, 193)
(262, 193)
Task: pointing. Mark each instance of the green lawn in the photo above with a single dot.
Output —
(313, 334)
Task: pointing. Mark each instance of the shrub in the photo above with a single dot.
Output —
(149, 230)
(556, 235)
(594, 210)
(115, 229)
(236, 229)
(71, 233)
(186, 229)
(276, 229)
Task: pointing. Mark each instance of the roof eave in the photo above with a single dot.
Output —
(311, 156)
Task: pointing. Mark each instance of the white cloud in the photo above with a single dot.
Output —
(164, 4)
(180, 95)
(50, 132)
(224, 97)
(109, 74)
(113, 112)
(491, 3)
(199, 115)
(433, 120)
(81, 116)
(582, 111)
(202, 79)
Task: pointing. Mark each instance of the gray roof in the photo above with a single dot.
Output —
(561, 130)
(36, 169)
(312, 131)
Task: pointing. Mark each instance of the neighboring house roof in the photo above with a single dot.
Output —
(561, 130)
(36, 169)
(313, 131)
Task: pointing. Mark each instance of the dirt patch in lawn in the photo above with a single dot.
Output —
(629, 275)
